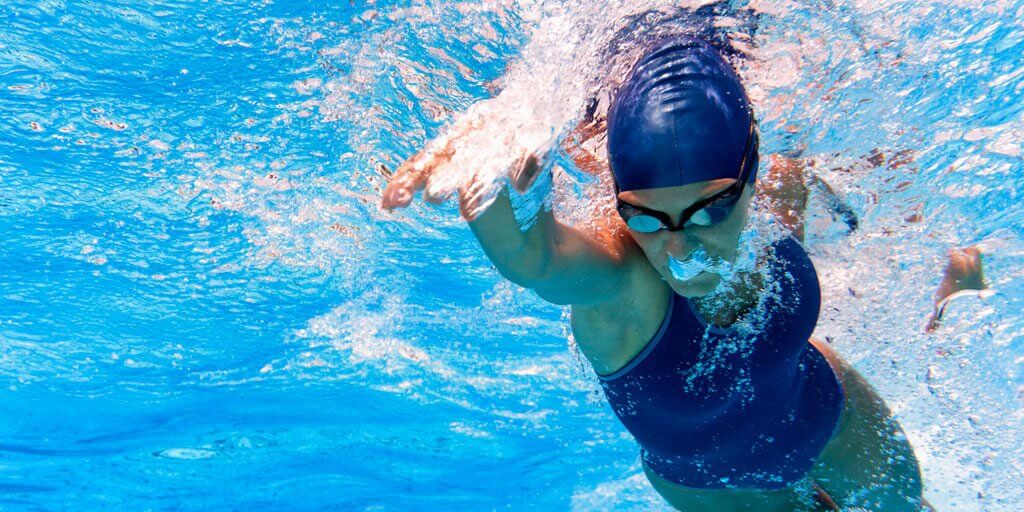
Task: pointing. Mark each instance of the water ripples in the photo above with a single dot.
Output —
(196, 284)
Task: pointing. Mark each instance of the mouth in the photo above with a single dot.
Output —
(697, 263)
(684, 270)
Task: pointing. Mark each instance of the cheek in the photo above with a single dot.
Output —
(723, 239)
(654, 247)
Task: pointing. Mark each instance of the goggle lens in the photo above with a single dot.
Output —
(701, 218)
(711, 215)
(644, 224)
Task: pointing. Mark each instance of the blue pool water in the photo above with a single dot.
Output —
(202, 306)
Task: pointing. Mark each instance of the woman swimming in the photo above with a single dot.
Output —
(700, 338)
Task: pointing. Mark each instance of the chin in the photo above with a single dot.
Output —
(699, 286)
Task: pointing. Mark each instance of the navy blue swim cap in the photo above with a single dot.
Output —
(681, 116)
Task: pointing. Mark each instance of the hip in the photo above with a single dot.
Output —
(868, 462)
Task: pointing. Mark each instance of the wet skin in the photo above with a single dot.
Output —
(963, 272)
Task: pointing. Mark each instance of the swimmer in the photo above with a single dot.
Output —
(699, 337)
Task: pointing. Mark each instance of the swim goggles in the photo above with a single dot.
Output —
(706, 212)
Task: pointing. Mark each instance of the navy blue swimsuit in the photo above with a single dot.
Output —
(751, 406)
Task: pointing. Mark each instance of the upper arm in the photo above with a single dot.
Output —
(582, 267)
(563, 264)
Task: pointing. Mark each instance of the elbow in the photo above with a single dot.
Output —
(527, 263)
(526, 271)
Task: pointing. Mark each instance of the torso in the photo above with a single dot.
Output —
(614, 337)
(611, 334)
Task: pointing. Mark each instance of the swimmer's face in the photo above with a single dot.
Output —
(719, 240)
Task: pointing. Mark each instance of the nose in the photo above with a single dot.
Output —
(680, 244)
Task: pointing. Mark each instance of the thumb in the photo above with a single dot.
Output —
(526, 172)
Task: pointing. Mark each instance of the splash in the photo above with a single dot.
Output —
(570, 61)
(203, 226)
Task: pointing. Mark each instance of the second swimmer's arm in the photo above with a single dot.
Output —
(562, 264)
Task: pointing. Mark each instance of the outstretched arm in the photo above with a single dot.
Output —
(564, 265)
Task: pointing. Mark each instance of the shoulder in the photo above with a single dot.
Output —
(792, 261)
(610, 333)
(798, 292)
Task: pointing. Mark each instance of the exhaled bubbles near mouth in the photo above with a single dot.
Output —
(699, 261)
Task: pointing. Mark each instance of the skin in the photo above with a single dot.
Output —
(618, 286)
(963, 272)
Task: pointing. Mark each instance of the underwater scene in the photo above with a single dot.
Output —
(203, 305)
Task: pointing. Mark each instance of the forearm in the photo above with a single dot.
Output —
(520, 256)
(786, 192)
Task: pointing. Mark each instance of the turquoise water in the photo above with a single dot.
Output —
(201, 305)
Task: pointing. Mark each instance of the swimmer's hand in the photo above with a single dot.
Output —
(414, 174)
(592, 267)
(419, 173)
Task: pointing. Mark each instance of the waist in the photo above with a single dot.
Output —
(761, 436)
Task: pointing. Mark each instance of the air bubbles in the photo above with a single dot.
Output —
(186, 454)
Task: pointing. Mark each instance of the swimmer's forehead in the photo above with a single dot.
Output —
(675, 198)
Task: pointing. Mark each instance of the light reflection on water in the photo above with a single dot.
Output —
(200, 298)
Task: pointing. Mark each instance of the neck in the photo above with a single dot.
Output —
(724, 308)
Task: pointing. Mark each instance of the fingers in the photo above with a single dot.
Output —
(475, 195)
(422, 171)
(413, 175)
(469, 198)
(409, 178)
(526, 170)
(438, 189)
(419, 172)
(399, 193)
